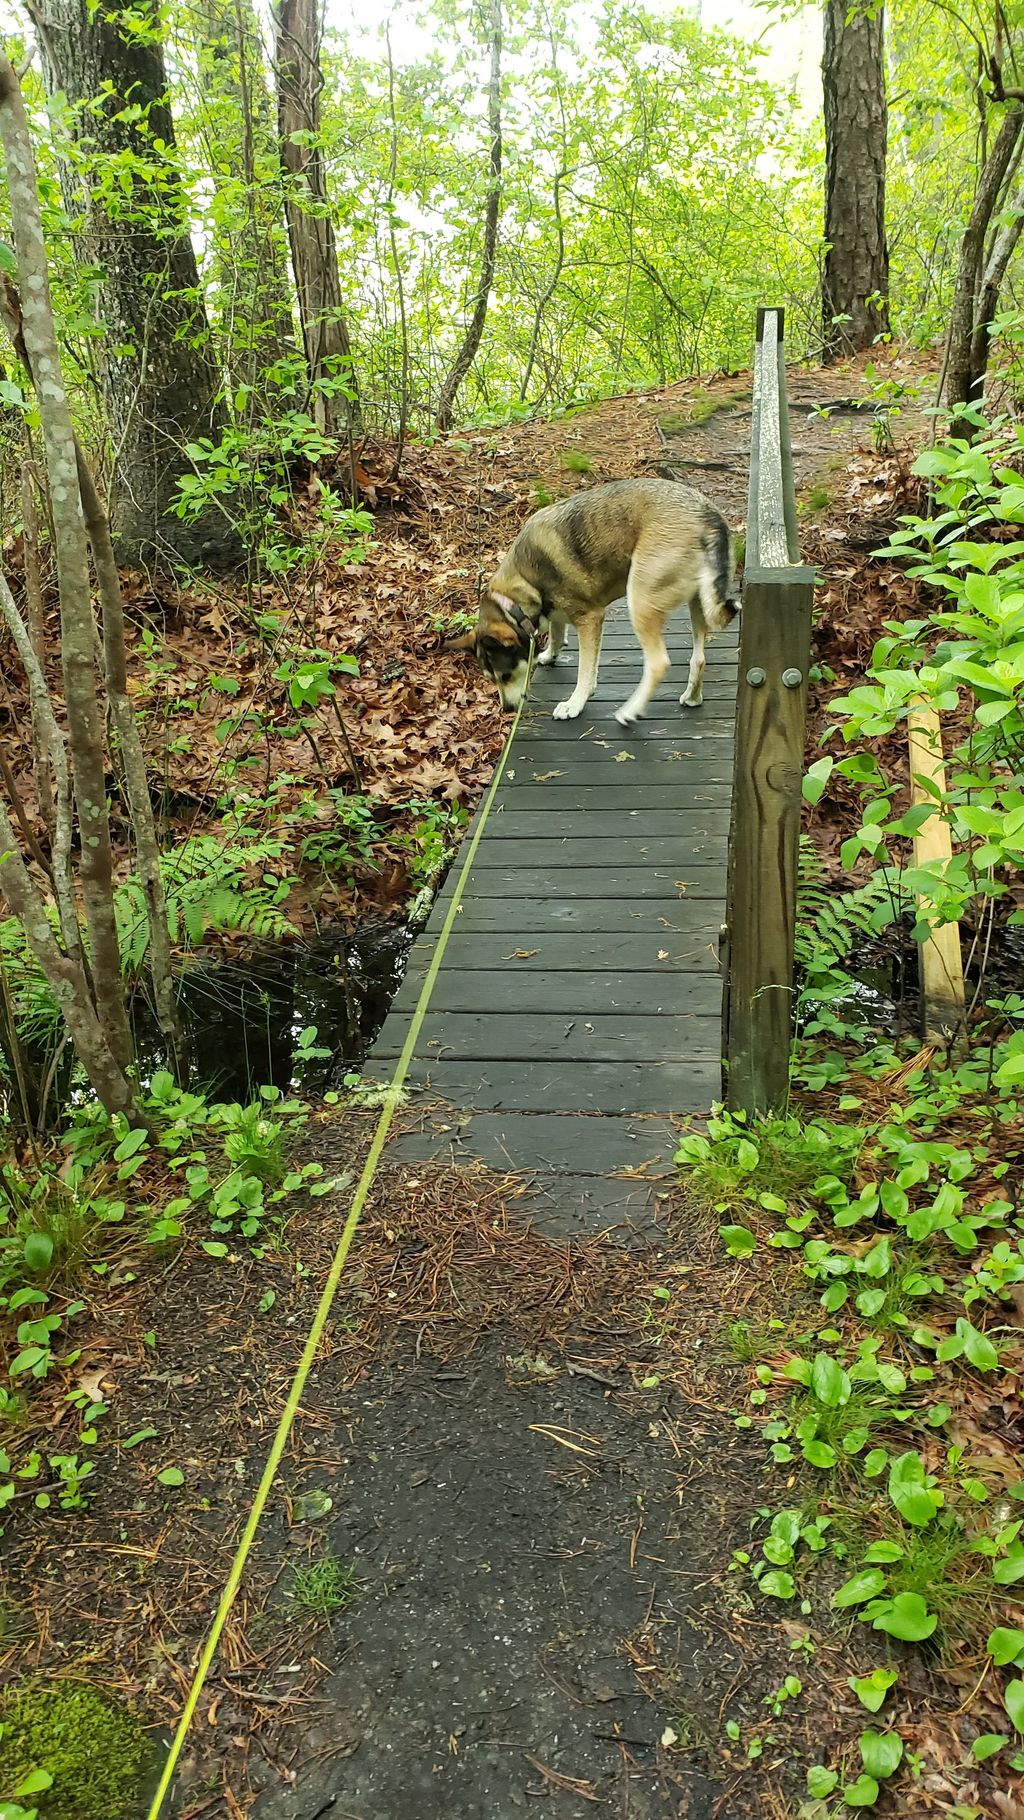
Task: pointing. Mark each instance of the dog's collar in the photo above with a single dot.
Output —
(520, 619)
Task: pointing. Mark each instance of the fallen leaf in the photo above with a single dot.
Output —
(521, 954)
(622, 757)
(542, 777)
(663, 954)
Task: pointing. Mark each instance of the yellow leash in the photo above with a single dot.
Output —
(330, 1289)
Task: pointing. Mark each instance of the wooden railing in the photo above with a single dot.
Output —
(771, 711)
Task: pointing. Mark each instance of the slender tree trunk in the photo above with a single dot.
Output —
(492, 211)
(855, 283)
(104, 1030)
(136, 777)
(159, 378)
(962, 380)
(310, 221)
(253, 306)
(1001, 251)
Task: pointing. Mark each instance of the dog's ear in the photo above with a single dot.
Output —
(461, 641)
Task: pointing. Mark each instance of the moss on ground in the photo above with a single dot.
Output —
(97, 1754)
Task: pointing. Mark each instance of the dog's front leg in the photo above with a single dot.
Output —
(556, 639)
(589, 631)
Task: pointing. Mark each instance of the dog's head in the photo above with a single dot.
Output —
(501, 644)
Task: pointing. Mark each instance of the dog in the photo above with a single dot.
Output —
(658, 542)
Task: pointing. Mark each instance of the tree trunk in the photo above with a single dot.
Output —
(475, 327)
(963, 381)
(94, 1009)
(253, 306)
(855, 282)
(335, 399)
(159, 379)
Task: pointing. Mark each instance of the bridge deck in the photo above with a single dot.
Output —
(582, 974)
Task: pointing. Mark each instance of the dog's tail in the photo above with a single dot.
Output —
(719, 596)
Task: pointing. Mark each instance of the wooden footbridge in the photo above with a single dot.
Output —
(613, 944)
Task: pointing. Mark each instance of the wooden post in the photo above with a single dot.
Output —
(942, 966)
(771, 709)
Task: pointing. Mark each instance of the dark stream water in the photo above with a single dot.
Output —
(244, 1018)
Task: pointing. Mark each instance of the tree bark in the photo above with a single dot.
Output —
(492, 211)
(963, 380)
(333, 389)
(35, 340)
(253, 289)
(159, 379)
(104, 1030)
(855, 281)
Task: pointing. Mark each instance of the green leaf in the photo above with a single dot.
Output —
(739, 1240)
(1005, 1645)
(987, 1745)
(38, 1250)
(1013, 1697)
(777, 1585)
(862, 1793)
(821, 1781)
(865, 1585)
(872, 1689)
(35, 1783)
(215, 1248)
(140, 1435)
(910, 1491)
(906, 1617)
(881, 1753)
(829, 1382)
(171, 1475)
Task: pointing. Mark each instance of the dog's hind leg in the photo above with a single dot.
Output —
(648, 620)
(693, 694)
(590, 632)
(556, 639)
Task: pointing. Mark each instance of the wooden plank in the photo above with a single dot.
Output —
(599, 750)
(772, 537)
(562, 993)
(942, 967)
(584, 1036)
(574, 1086)
(765, 839)
(707, 766)
(535, 827)
(591, 916)
(589, 851)
(540, 951)
(512, 823)
(690, 878)
(689, 792)
(553, 1142)
(658, 728)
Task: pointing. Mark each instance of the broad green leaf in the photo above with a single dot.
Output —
(171, 1475)
(821, 1781)
(865, 1585)
(1013, 1696)
(881, 1753)
(777, 1585)
(1005, 1645)
(872, 1689)
(862, 1793)
(906, 1617)
(829, 1382)
(987, 1745)
(739, 1240)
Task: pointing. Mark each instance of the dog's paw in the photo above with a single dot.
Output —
(627, 716)
(546, 659)
(568, 710)
(691, 701)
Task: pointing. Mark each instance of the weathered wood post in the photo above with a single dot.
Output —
(771, 710)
